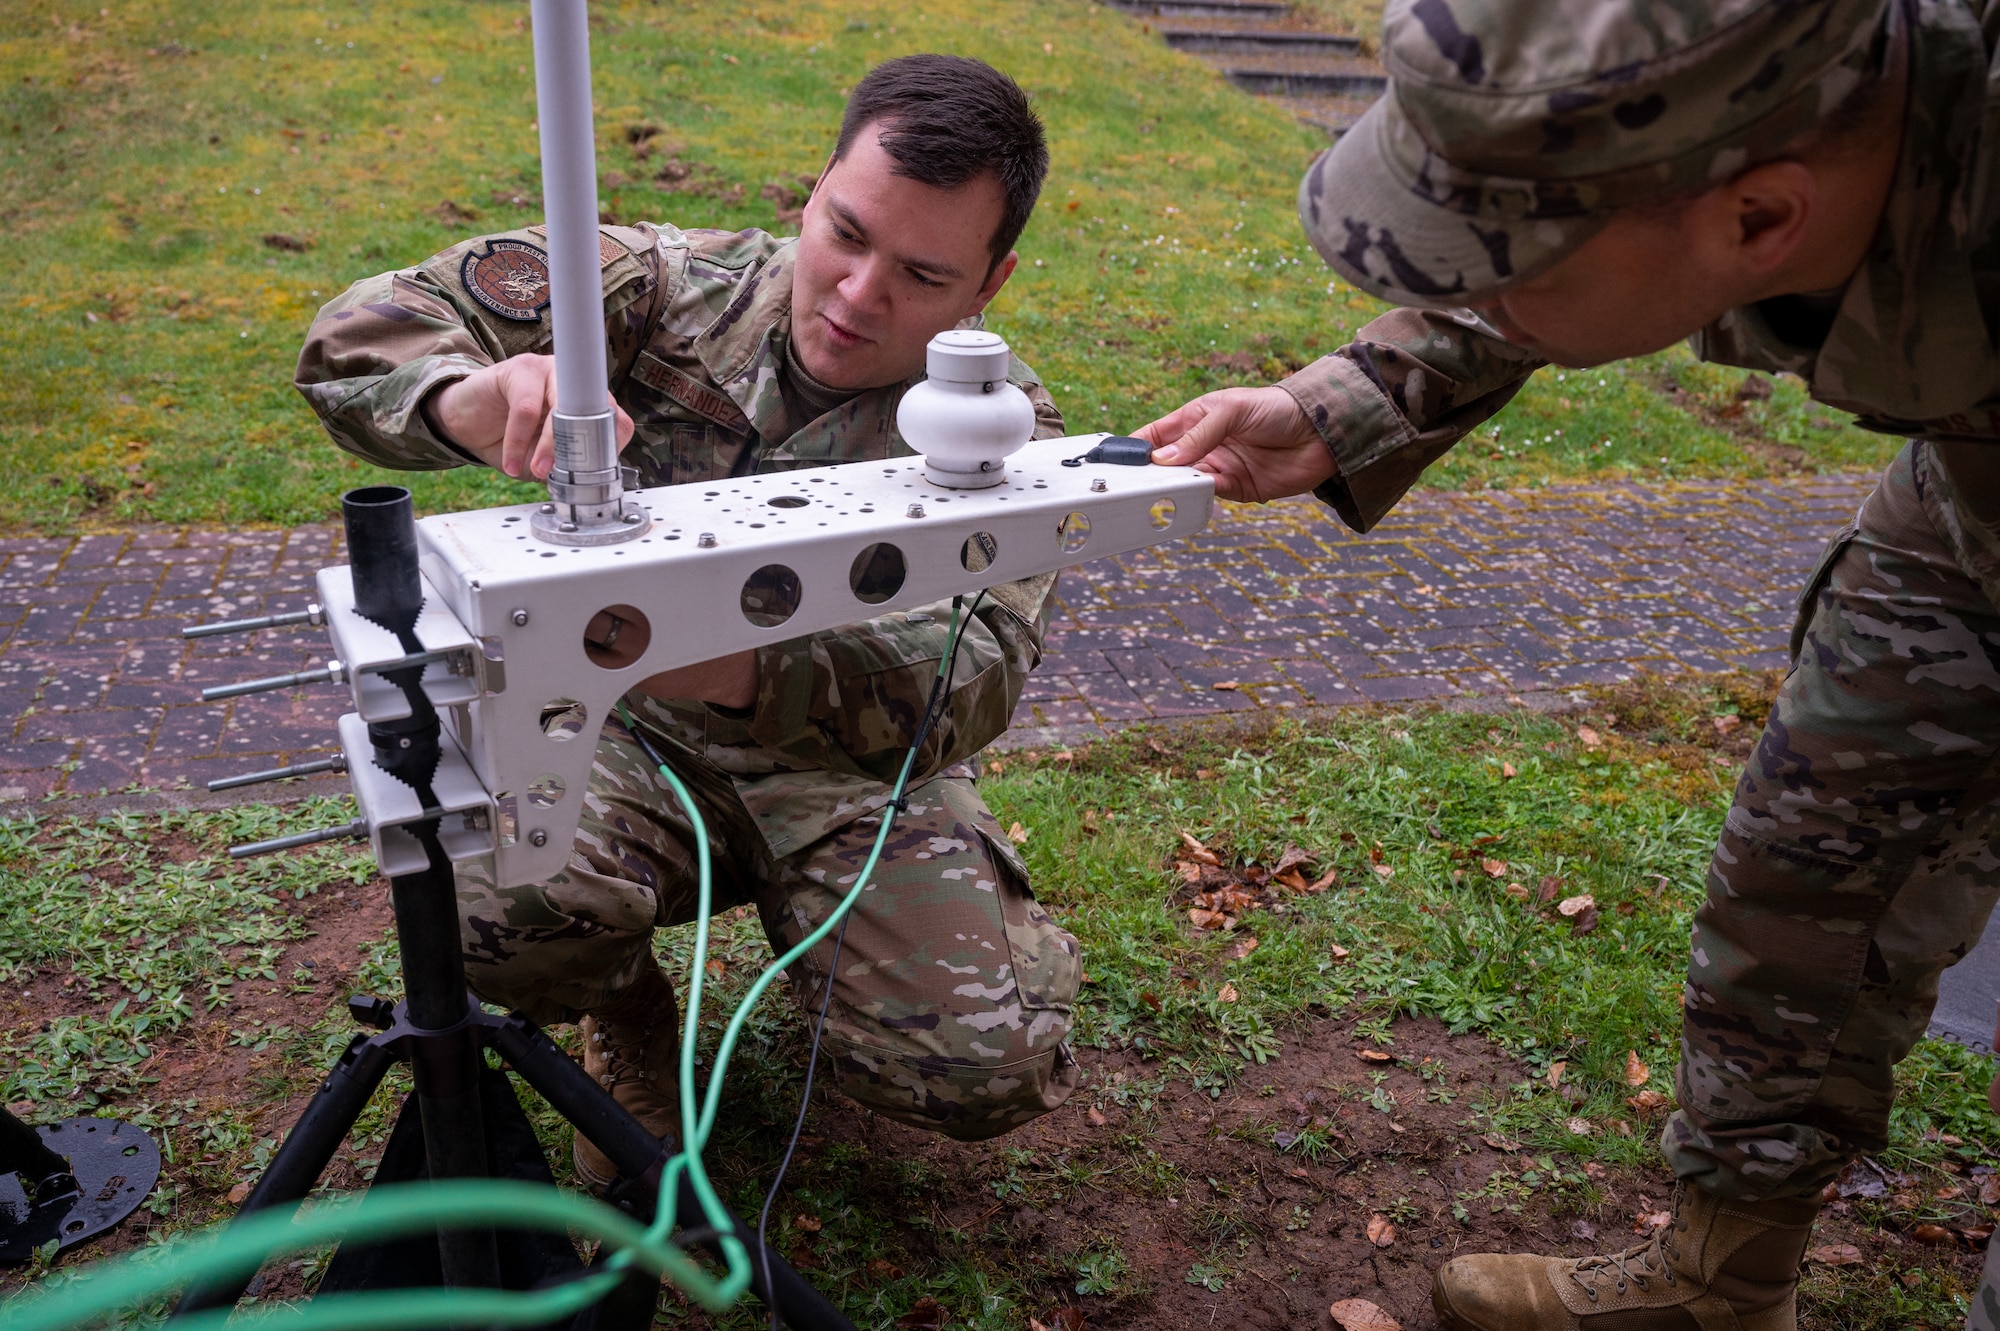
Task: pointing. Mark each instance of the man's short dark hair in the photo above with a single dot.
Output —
(947, 119)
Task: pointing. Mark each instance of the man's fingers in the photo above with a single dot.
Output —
(624, 425)
(1171, 426)
(1203, 434)
(525, 420)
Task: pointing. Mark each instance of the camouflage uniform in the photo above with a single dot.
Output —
(954, 990)
(1855, 863)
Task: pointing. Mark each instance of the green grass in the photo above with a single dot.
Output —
(145, 152)
(148, 912)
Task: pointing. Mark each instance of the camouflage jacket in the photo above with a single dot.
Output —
(698, 328)
(1910, 348)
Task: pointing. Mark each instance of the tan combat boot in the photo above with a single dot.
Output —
(1718, 1264)
(631, 1045)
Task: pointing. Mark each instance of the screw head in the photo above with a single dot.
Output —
(548, 508)
(520, 619)
(1098, 487)
(565, 526)
(538, 837)
(634, 516)
(915, 511)
(706, 540)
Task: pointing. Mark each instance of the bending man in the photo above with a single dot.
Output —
(1798, 187)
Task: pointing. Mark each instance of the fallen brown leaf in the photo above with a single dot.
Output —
(1648, 1221)
(1591, 739)
(1361, 1315)
(1225, 686)
(1576, 905)
(1156, 747)
(238, 1193)
(1291, 880)
(1726, 724)
(1555, 1072)
(1293, 858)
(926, 1314)
(1374, 1056)
(1584, 923)
(1322, 883)
(1241, 948)
(1381, 1232)
(883, 1269)
(1210, 919)
(1494, 868)
(1018, 834)
(1199, 853)
(1580, 1127)
(1518, 891)
(1386, 870)
(1150, 999)
(1636, 1073)
(1096, 1117)
(809, 1223)
(1551, 887)
(1089, 821)
(1930, 1234)
(1338, 953)
(1499, 1143)
(1835, 1254)
(1989, 1190)
(1227, 993)
(1507, 771)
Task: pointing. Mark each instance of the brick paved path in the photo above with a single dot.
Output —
(1453, 595)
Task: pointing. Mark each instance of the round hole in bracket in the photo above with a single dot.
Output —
(547, 791)
(563, 719)
(788, 501)
(979, 551)
(1161, 514)
(1075, 533)
(770, 596)
(616, 636)
(877, 573)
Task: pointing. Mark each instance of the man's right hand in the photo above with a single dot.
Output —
(503, 415)
(1256, 442)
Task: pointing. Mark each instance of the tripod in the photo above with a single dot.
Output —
(463, 1121)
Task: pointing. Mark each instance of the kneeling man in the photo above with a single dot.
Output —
(734, 354)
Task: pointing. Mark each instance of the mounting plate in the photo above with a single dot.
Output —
(115, 1166)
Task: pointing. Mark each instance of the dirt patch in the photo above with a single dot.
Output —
(1224, 1220)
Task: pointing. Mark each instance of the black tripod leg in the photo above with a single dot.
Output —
(304, 1156)
(445, 1050)
(638, 1155)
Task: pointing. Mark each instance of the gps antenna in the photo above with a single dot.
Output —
(588, 504)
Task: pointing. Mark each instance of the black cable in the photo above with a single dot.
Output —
(933, 709)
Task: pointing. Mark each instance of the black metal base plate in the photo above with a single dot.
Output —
(115, 1165)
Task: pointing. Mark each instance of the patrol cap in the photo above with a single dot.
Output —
(1513, 129)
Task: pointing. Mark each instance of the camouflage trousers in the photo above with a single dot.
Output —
(955, 989)
(1856, 862)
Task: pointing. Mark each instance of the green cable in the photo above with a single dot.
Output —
(394, 1210)
(390, 1211)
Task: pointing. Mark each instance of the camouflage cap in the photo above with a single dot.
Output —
(1513, 129)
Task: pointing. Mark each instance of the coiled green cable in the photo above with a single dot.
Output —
(394, 1210)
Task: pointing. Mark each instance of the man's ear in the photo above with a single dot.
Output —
(994, 281)
(1770, 207)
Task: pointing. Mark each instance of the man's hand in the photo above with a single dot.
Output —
(503, 415)
(728, 681)
(1256, 442)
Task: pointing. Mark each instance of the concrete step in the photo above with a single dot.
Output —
(1223, 41)
(1246, 10)
(1270, 82)
(1335, 115)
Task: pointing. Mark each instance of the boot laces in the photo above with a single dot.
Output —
(1638, 1265)
(624, 1047)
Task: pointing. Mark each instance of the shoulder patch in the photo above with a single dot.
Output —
(508, 277)
(696, 396)
(609, 251)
